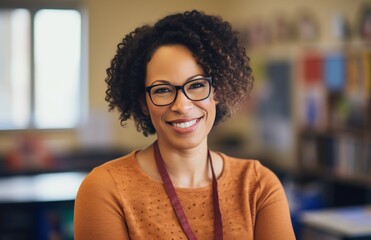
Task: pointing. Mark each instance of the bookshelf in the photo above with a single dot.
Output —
(334, 113)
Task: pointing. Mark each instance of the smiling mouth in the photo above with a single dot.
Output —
(185, 124)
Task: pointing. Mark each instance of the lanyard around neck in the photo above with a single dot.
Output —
(169, 187)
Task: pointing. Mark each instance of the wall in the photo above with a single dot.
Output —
(110, 20)
(108, 24)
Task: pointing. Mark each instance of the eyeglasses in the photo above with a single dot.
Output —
(165, 94)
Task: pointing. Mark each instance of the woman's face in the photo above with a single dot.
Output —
(184, 123)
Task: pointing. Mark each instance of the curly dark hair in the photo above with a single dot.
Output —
(214, 45)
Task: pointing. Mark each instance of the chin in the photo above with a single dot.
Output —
(184, 143)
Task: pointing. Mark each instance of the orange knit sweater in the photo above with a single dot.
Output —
(118, 197)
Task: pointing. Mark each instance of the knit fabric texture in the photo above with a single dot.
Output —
(117, 200)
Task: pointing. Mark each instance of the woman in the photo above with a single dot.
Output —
(178, 79)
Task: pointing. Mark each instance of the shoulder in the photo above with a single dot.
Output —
(124, 163)
(118, 163)
(99, 201)
(107, 173)
(251, 166)
(251, 172)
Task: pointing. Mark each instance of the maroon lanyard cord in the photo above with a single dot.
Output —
(169, 187)
(218, 224)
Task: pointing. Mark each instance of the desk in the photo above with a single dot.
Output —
(38, 206)
(351, 223)
(43, 187)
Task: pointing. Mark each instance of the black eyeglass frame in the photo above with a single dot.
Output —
(180, 87)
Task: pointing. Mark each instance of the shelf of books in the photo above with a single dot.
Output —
(334, 113)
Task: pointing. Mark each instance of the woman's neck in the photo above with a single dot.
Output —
(187, 167)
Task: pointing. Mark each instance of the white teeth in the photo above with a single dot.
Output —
(185, 124)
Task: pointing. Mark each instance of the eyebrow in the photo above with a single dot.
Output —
(160, 81)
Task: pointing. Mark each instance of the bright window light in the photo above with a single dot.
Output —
(14, 68)
(40, 69)
(57, 68)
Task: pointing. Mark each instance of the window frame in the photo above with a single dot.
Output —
(33, 6)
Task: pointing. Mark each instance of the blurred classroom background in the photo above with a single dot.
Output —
(308, 117)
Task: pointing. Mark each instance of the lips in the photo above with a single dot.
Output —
(184, 124)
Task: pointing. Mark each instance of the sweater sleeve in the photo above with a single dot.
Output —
(98, 210)
(273, 216)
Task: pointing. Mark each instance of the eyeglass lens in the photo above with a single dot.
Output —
(165, 94)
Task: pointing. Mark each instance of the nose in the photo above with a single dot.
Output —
(181, 103)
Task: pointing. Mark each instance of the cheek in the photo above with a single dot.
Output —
(151, 108)
(155, 112)
(154, 115)
(213, 96)
(210, 108)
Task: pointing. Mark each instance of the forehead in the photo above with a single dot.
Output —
(172, 63)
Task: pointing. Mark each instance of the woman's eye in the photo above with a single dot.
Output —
(161, 90)
(196, 85)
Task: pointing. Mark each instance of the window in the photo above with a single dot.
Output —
(40, 68)
(15, 72)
